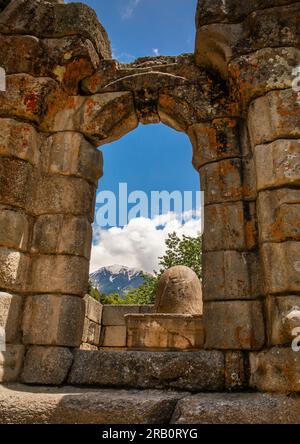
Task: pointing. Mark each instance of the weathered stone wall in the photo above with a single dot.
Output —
(65, 97)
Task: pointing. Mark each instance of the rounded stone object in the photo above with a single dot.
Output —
(179, 291)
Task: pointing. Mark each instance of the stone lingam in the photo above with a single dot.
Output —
(176, 323)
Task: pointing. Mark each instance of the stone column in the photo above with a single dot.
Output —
(233, 314)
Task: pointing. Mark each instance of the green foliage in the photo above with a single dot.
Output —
(183, 250)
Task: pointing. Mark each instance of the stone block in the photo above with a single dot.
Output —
(229, 275)
(19, 140)
(15, 178)
(14, 229)
(46, 365)
(27, 97)
(275, 370)
(59, 274)
(10, 316)
(281, 267)
(56, 194)
(13, 270)
(62, 234)
(193, 371)
(164, 331)
(11, 362)
(274, 116)
(237, 408)
(279, 215)
(71, 154)
(283, 317)
(113, 336)
(235, 325)
(277, 164)
(114, 314)
(55, 20)
(66, 405)
(214, 142)
(222, 181)
(53, 320)
(91, 332)
(93, 309)
(236, 377)
(92, 116)
(224, 226)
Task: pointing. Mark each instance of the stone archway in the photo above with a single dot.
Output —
(66, 97)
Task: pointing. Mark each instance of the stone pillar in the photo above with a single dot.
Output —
(233, 315)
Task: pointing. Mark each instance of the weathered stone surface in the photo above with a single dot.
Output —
(179, 291)
(59, 274)
(21, 404)
(275, 370)
(93, 309)
(274, 116)
(102, 118)
(14, 229)
(91, 332)
(164, 331)
(253, 75)
(213, 142)
(284, 317)
(279, 215)
(114, 314)
(27, 97)
(238, 275)
(44, 19)
(217, 44)
(222, 181)
(19, 140)
(113, 336)
(46, 365)
(62, 234)
(215, 11)
(278, 163)
(224, 227)
(15, 176)
(234, 325)
(10, 316)
(13, 270)
(70, 154)
(193, 371)
(54, 194)
(281, 267)
(11, 362)
(236, 377)
(237, 408)
(53, 320)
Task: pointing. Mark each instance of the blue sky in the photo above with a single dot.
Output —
(153, 157)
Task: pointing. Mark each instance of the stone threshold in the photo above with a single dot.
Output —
(23, 404)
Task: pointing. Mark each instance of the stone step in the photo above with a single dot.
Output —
(21, 404)
(203, 370)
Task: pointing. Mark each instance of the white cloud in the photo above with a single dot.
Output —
(127, 13)
(156, 51)
(140, 243)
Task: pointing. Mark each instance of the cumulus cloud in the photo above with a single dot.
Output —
(128, 12)
(156, 51)
(141, 242)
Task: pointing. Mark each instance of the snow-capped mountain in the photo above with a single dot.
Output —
(116, 279)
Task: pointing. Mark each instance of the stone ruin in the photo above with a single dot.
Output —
(237, 99)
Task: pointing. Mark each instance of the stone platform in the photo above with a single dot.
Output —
(21, 404)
